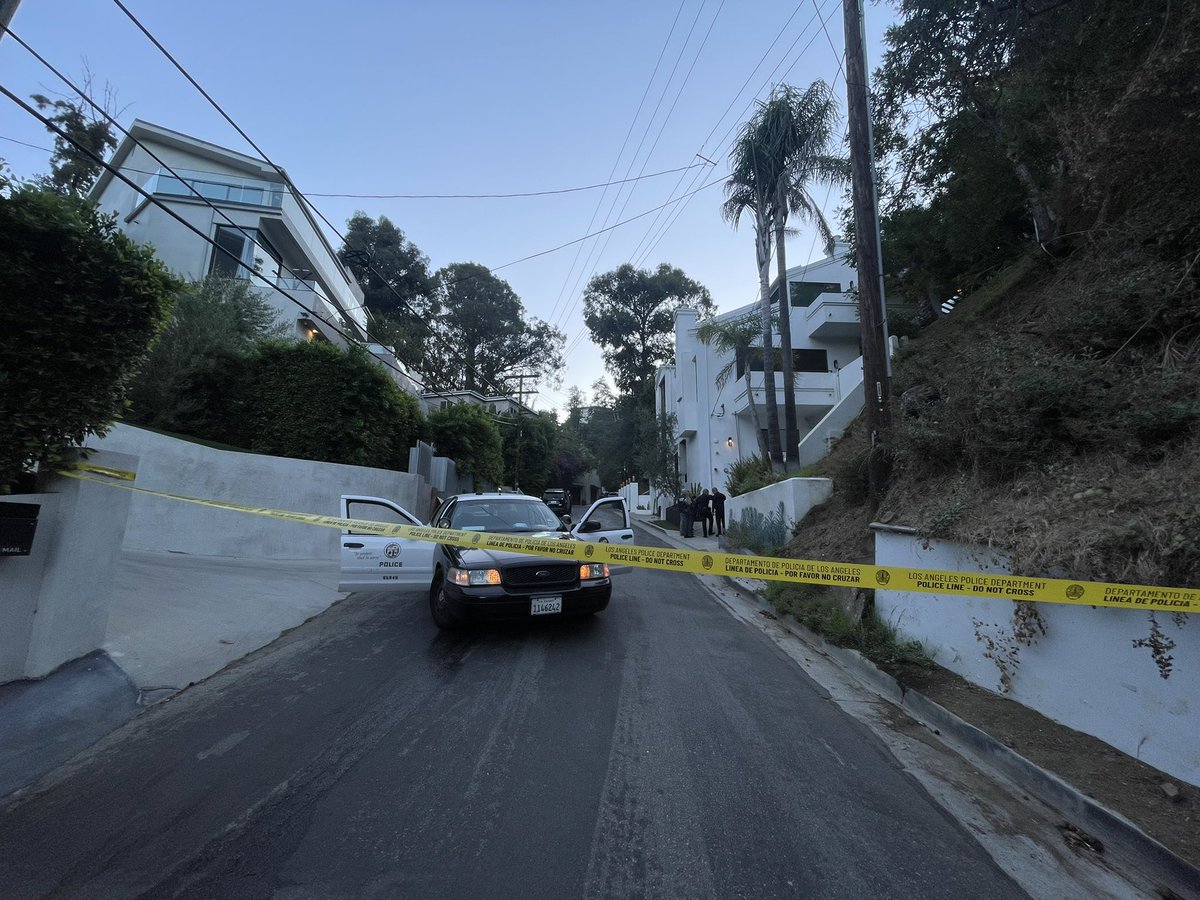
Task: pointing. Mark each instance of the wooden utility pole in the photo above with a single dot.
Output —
(877, 387)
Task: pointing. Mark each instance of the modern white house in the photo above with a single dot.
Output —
(240, 204)
(714, 427)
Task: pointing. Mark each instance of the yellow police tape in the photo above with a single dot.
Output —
(767, 568)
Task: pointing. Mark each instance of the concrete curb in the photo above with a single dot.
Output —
(1154, 859)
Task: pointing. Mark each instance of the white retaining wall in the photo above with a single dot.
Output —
(54, 603)
(1084, 672)
(798, 496)
(181, 467)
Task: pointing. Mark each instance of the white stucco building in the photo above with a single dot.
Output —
(715, 426)
(253, 216)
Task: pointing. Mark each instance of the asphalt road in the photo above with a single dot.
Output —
(660, 749)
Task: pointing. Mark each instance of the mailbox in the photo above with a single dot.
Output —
(18, 522)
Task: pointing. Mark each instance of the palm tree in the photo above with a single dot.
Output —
(793, 130)
(748, 191)
(737, 338)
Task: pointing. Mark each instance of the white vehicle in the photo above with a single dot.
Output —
(373, 563)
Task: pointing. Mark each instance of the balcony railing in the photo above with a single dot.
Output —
(218, 188)
(832, 316)
(814, 390)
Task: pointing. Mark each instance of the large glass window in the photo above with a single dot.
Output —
(803, 293)
(376, 512)
(219, 187)
(802, 360)
(248, 246)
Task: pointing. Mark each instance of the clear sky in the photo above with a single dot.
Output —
(470, 98)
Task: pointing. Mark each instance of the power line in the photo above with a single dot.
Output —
(158, 203)
(729, 133)
(632, 162)
(620, 153)
(292, 187)
(116, 173)
(573, 190)
(836, 56)
(682, 201)
(288, 182)
(546, 193)
(678, 93)
(23, 144)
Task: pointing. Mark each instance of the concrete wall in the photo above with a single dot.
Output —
(54, 603)
(798, 496)
(1084, 672)
(181, 467)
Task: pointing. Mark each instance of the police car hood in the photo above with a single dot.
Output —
(488, 557)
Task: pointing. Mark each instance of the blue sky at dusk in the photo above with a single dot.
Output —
(469, 98)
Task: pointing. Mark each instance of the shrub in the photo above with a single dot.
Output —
(81, 303)
(759, 532)
(902, 324)
(186, 380)
(316, 401)
(468, 434)
(815, 607)
(751, 473)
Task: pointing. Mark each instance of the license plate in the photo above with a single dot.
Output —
(543, 605)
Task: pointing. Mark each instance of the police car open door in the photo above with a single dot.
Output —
(374, 563)
(605, 522)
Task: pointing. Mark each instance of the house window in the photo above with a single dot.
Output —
(803, 293)
(810, 361)
(802, 360)
(245, 245)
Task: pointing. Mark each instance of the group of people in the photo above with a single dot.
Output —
(706, 508)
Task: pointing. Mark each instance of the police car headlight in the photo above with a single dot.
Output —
(592, 571)
(475, 577)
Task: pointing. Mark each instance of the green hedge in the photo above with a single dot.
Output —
(316, 401)
(79, 305)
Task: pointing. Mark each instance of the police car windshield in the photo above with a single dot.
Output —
(510, 516)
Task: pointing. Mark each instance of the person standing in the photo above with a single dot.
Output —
(702, 511)
(718, 510)
(685, 516)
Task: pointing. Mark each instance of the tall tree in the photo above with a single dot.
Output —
(215, 324)
(737, 338)
(955, 58)
(572, 456)
(795, 129)
(631, 314)
(397, 287)
(483, 337)
(748, 192)
(89, 136)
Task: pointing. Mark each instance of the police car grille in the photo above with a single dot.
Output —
(555, 575)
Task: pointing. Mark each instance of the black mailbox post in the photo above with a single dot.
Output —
(18, 522)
